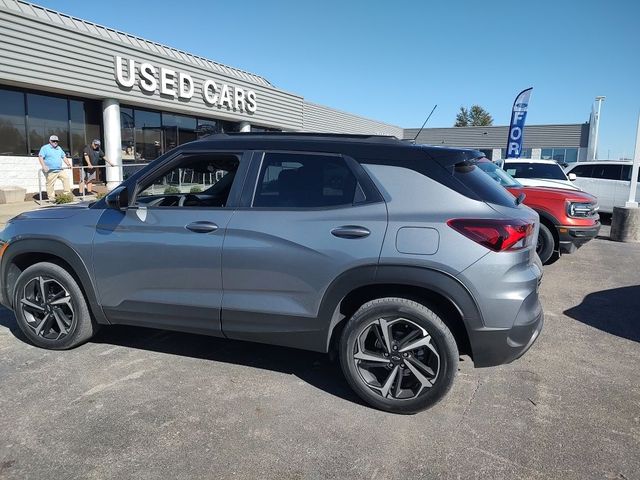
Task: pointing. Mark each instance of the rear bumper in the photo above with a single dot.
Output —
(572, 238)
(499, 346)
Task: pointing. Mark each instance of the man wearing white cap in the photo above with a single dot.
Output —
(51, 157)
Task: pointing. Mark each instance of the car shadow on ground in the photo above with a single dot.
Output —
(313, 368)
(615, 311)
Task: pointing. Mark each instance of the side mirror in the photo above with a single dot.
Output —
(572, 176)
(118, 199)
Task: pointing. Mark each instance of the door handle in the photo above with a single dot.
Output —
(350, 231)
(202, 227)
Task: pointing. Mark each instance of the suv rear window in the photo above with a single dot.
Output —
(482, 184)
(300, 180)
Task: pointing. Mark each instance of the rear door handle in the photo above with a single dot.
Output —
(202, 227)
(350, 231)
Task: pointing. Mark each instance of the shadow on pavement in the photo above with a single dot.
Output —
(615, 311)
(314, 368)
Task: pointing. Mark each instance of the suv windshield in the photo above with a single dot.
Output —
(547, 171)
(499, 175)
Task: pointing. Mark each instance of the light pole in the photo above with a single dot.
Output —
(599, 99)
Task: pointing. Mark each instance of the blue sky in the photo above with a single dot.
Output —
(392, 61)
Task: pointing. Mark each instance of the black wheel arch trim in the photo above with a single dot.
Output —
(56, 248)
(442, 283)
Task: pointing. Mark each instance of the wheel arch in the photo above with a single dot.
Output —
(21, 254)
(550, 222)
(438, 290)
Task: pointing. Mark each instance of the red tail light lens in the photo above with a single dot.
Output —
(497, 235)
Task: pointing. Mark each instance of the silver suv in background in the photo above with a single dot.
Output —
(398, 257)
(608, 181)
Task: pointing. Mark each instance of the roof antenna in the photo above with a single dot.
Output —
(425, 122)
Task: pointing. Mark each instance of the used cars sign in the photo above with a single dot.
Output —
(180, 85)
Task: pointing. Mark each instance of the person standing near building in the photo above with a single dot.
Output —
(52, 157)
(93, 157)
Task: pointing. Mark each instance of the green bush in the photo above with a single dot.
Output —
(171, 190)
(63, 198)
(196, 189)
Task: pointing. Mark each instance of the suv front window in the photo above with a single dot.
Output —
(197, 181)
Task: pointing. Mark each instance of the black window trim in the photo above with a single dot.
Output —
(372, 194)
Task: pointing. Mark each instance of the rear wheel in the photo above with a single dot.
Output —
(398, 355)
(546, 244)
(51, 309)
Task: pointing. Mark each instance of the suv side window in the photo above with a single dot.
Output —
(303, 180)
(607, 172)
(583, 171)
(198, 180)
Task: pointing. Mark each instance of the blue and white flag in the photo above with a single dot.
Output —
(516, 130)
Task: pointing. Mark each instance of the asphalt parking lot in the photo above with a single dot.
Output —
(138, 403)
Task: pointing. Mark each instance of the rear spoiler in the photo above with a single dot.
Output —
(448, 157)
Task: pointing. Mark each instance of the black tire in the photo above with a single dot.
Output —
(546, 244)
(408, 315)
(80, 327)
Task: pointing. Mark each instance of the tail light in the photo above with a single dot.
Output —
(497, 235)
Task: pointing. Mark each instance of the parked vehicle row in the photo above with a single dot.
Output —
(397, 257)
(568, 217)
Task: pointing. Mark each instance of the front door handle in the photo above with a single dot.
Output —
(202, 227)
(350, 231)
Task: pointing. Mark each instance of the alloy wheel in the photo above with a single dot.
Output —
(396, 358)
(47, 308)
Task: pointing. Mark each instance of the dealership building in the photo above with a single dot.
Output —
(64, 76)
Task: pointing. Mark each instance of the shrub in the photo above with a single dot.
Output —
(171, 189)
(63, 198)
(196, 189)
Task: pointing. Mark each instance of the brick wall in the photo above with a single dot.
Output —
(22, 172)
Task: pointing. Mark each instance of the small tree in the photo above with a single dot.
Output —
(462, 119)
(476, 116)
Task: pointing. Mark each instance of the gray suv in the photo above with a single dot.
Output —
(397, 257)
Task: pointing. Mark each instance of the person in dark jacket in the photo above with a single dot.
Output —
(92, 157)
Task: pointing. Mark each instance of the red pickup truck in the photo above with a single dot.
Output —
(568, 218)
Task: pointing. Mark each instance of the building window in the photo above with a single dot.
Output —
(28, 119)
(47, 116)
(85, 125)
(148, 134)
(560, 155)
(258, 129)
(13, 128)
(524, 153)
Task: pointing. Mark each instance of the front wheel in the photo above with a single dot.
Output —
(50, 307)
(398, 355)
(546, 244)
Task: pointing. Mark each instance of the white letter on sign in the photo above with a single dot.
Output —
(166, 82)
(125, 82)
(238, 94)
(251, 102)
(225, 97)
(185, 91)
(148, 81)
(513, 148)
(210, 92)
(516, 133)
